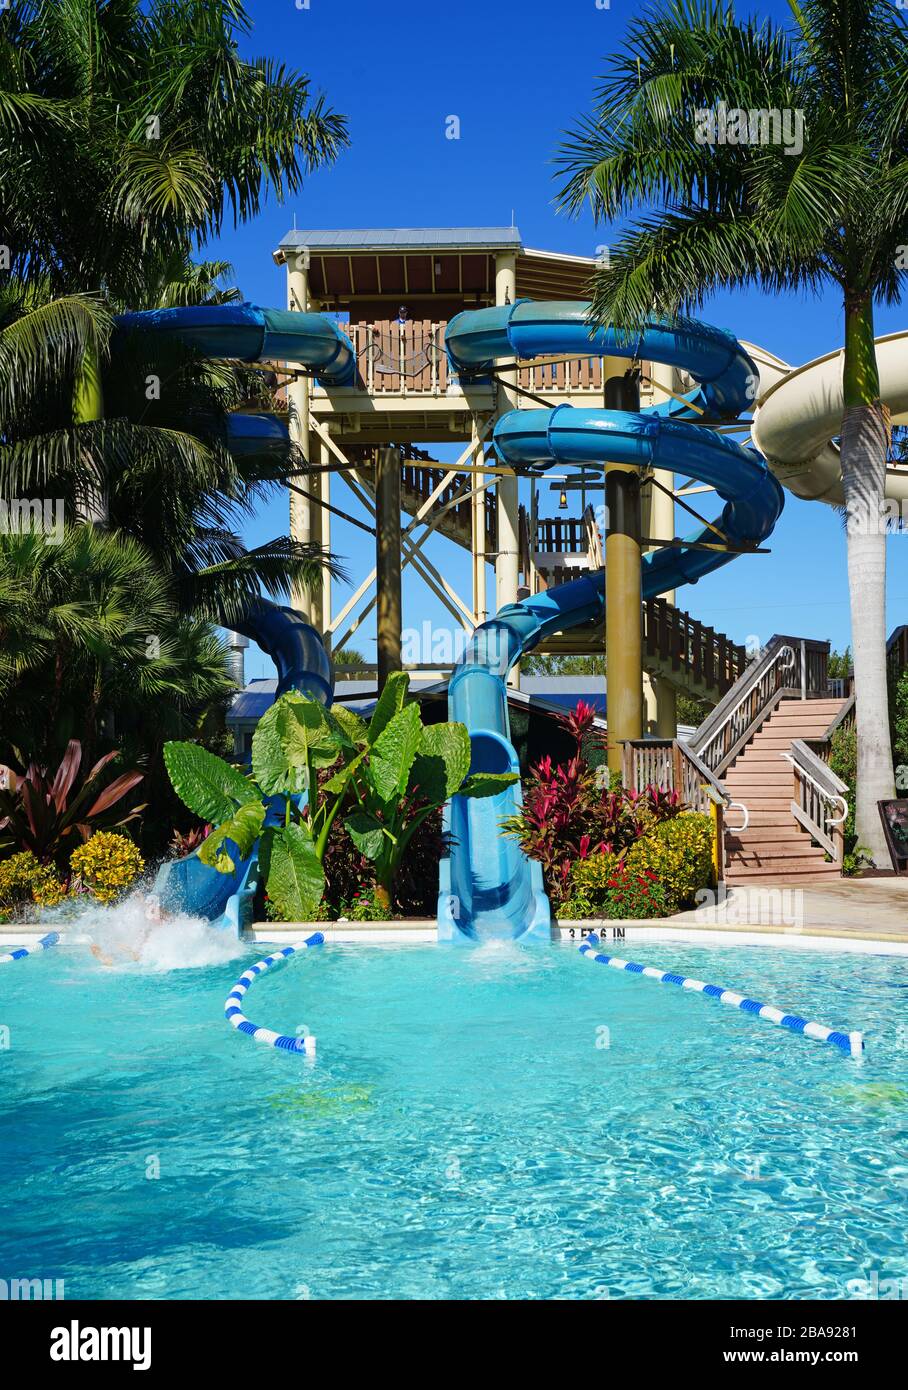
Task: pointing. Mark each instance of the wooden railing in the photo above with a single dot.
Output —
(671, 765)
(562, 535)
(421, 480)
(818, 802)
(789, 665)
(706, 656)
(410, 359)
(400, 359)
(896, 659)
(580, 374)
(897, 649)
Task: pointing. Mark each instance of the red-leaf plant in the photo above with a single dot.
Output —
(49, 815)
(567, 815)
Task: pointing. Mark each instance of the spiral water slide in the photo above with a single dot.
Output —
(247, 333)
(488, 887)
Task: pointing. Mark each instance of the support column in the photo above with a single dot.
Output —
(388, 608)
(507, 558)
(478, 528)
(298, 393)
(659, 699)
(623, 629)
(323, 490)
(660, 520)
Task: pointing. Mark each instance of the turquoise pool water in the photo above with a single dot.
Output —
(465, 1131)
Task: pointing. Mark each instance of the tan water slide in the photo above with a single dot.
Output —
(799, 412)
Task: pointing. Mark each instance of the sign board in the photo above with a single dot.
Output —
(894, 815)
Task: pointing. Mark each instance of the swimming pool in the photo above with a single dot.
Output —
(481, 1122)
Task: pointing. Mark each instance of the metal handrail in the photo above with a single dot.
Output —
(722, 718)
(800, 757)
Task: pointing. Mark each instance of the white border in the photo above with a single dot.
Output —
(425, 932)
(791, 939)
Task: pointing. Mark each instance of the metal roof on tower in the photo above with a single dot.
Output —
(405, 238)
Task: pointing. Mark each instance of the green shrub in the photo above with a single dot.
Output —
(898, 718)
(26, 885)
(680, 853)
(106, 865)
(617, 890)
(659, 874)
(588, 885)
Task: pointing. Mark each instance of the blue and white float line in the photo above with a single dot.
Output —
(237, 1019)
(20, 952)
(852, 1043)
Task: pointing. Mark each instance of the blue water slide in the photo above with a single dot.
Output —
(487, 885)
(250, 334)
(247, 333)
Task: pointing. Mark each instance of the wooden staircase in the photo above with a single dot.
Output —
(775, 845)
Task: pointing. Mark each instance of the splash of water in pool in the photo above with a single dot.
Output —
(128, 936)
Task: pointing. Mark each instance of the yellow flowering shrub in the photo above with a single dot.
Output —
(658, 874)
(679, 851)
(26, 883)
(106, 865)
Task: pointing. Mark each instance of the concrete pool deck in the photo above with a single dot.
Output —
(868, 914)
(855, 913)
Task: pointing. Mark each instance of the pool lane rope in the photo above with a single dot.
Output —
(238, 1020)
(852, 1043)
(20, 952)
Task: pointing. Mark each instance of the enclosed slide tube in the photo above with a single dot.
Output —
(799, 412)
(250, 334)
(487, 885)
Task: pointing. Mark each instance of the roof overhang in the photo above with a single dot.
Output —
(410, 263)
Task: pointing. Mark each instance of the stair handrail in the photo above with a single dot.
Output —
(818, 792)
(732, 717)
(706, 773)
(813, 769)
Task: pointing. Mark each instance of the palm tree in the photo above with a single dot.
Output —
(181, 281)
(163, 130)
(93, 644)
(709, 210)
(160, 456)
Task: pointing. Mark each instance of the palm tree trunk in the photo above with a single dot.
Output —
(88, 407)
(864, 483)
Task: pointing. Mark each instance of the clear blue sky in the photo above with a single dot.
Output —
(517, 73)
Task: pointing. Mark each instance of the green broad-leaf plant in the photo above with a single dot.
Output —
(386, 778)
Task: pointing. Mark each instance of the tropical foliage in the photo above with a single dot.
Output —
(165, 131)
(819, 201)
(386, 779)
(92, 643)
(49, 815)
(26, 886)
(105, 866)
(570, 812)
(658, 874)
